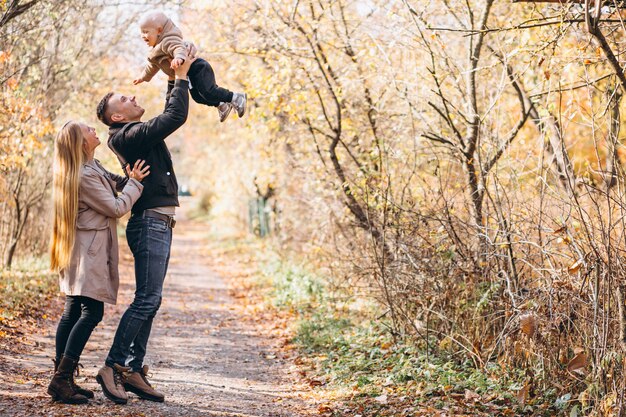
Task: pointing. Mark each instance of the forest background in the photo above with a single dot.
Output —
(450, 172)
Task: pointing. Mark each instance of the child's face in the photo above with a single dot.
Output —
(150, 34)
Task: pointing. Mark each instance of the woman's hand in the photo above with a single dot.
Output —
(139, 171)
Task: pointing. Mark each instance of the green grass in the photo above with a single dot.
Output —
(293, 286)
(363, 354)
(25, 288)
(351, 351)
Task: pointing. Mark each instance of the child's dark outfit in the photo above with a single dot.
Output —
(203, 88)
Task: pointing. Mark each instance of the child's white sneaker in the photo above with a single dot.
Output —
(239, 103)
(224, 110)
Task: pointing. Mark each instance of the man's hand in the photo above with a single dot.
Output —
(176, 63)
(137, 81)
(181, 71)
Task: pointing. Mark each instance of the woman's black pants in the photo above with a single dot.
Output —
(80, 316)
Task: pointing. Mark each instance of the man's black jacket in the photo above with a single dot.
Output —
(146, 140)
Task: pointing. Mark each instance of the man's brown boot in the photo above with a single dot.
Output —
(110, 379)
(61, 387)
(82, 391)
(137, 383)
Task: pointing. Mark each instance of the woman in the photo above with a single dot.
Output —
(84, 245)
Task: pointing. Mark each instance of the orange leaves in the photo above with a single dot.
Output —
(4, 57)
(24, 123)
(23, 126)
(12, 83)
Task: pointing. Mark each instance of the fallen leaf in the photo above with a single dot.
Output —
(578, 362)
(575, 267)
(472, 396)
(528, 324)
(522, 394)
(315, 383)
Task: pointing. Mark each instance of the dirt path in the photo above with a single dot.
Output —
(206, 357)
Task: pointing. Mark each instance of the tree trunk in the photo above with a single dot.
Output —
(549, 127)
(10, 253)
(612, 158)
(22, 218)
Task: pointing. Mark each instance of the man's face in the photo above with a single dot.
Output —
(124, 108)
(150, 33)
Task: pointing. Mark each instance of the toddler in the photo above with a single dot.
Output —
(168, 52)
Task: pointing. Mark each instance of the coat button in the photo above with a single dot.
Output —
(168, 173)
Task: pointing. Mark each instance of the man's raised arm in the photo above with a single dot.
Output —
(174, 115)
(191, 54)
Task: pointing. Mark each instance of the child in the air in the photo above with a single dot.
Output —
(168, 52)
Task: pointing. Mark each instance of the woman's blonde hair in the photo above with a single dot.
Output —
(69, 155)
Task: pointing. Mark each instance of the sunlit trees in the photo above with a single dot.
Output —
(50, 52)
(455, 156)
(458, 161)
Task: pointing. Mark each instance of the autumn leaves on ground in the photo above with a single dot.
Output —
(225, 344)
(443, 183)
(212, 353)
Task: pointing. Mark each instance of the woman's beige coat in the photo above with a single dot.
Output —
(93, 266)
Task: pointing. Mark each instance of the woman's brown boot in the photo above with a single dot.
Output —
(82, 391)
(61, 387)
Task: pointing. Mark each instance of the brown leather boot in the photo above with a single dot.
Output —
(137, 383)
(61, 387)
(110, 379)
(82, 391)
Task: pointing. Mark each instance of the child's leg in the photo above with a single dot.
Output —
(91, 314)
(206, 91)
(71, 314)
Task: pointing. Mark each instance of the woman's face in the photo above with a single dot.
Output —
(91, 140)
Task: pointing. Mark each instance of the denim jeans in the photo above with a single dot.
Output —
(149, 240)
(80, 316)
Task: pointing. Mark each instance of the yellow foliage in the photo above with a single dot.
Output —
(24, 124)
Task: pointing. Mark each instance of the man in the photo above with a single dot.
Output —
(149, 230)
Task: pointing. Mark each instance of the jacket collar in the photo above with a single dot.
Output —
(115, 127)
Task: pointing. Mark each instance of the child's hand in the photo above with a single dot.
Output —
(176, 63)
(137, 81)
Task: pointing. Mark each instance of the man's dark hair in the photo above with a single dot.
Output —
(102, 109)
